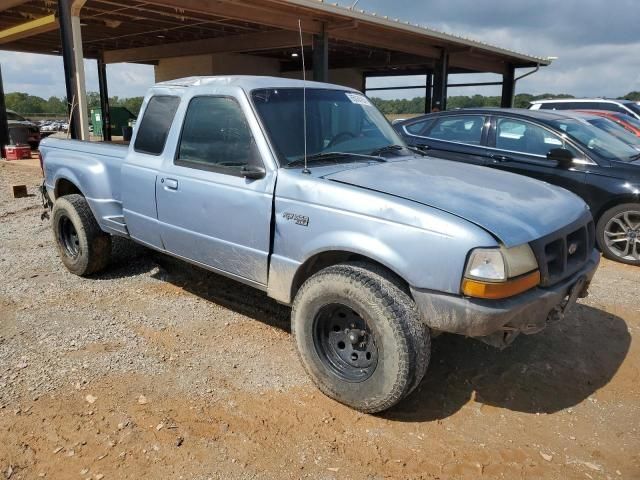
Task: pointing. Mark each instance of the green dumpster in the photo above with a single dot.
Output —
(120, 117)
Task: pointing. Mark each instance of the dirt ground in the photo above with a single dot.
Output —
(157, 369)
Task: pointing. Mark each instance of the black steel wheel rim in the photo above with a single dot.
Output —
(68, 237)
(344, 342)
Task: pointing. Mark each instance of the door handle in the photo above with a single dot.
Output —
(170, 183)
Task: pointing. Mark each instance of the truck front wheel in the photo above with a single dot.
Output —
(360, 336)
(84, 248)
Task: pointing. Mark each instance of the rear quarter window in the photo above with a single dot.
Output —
(419, 128)
(459, 128)
(155, 124)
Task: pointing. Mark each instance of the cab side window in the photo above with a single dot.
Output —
(523, 137)
(216, 136)
(156, 122)
(461, 129)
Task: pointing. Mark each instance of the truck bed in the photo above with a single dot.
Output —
(77, 162)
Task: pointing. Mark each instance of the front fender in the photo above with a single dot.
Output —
(424, 246)
(283, 270)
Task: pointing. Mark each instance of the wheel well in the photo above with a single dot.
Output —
(614, 202)
(66, 187)
(327, 259)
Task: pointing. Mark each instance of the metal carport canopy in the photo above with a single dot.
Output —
(118, 27)
(147, 31)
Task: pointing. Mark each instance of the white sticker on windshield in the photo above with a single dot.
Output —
(358, 99)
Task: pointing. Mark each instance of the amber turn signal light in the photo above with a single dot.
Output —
(497, 290)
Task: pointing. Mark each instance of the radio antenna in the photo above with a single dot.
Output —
(304, 99)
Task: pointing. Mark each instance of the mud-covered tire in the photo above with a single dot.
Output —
(83, 247)
(401, 340)
(611, 236)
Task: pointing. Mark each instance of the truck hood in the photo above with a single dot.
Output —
(513, 208)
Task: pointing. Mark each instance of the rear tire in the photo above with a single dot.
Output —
(618, 233)
(83, 247)
(360, 336)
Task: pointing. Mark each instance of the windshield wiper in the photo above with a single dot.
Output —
(323, 156)
(634, 157)
(387, 148)
(395, 148)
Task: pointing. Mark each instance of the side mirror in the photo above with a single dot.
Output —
(252, 172)
(563, 156)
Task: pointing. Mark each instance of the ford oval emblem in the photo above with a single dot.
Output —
(573, 248)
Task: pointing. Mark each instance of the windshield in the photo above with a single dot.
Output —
(634, 107)
(337, 122)
(616, 130)
(596, 140)
(14, 116)
(634, 122)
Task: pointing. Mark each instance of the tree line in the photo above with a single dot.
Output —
(31, 104)
(26, 104)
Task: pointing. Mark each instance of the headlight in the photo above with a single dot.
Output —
(500, 272)
(519, 260)
(486, 264)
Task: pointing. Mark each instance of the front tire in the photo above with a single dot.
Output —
(360, 336)
(83, 247)
(618, 233)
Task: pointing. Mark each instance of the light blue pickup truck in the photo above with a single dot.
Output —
(376, 246)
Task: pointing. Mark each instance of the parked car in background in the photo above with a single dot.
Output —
(22, 131)
(626, 107)
(373, 246)
(47, 127)
(552, 146)
(606, 125)
(629, 123)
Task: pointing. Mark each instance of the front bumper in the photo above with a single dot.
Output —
(498, 322)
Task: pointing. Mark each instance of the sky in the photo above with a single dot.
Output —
(596, 42)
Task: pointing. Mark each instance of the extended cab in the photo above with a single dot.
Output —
(328, 211)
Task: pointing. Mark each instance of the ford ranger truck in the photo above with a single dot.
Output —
(374, 247)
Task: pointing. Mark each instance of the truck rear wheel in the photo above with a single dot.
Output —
(84, 248)
(360, 336)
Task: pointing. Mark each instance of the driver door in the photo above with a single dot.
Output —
(521, 147)
(208, 211)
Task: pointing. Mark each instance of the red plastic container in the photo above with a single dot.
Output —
(17, 152)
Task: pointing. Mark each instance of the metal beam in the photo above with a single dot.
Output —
(4, 124)
(78, 58)
(66, 39)
(428, 97)
(508, 87)
(476, 63)
(321, 57)
(28, 29)
(104, 100)
(383, 39)
(387, 65)
(247, 42)
(474, 84)
(403, 87)
(440, 76)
